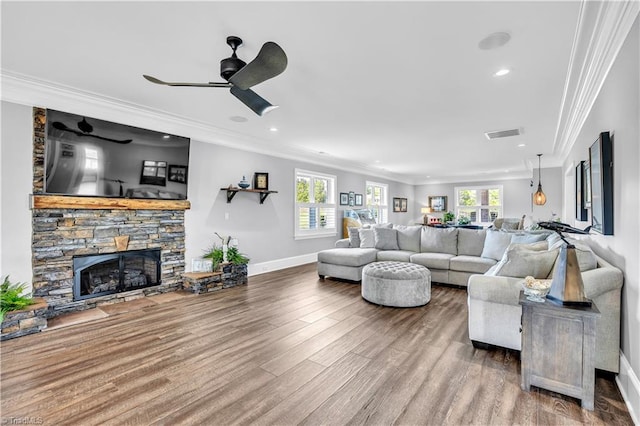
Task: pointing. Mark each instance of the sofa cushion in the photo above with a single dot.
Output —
(476, 264)
(395, 255)
(504, 291)
(367, 239)
(348, 256)
(354, 236)
(521, 261)
(471, 241)
(409, 237)
(432, 260)
(495, 244)
(586, 257)
(439, 240)
(385, 238)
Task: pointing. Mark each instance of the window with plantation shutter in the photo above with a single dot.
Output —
(480, 204)
(315, 204)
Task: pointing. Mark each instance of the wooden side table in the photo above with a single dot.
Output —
(558, 348)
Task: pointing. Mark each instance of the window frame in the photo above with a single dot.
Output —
(479, 207)
(319, 232)
(383, 208)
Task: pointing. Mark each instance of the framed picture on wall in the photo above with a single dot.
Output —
(359, 200)
(581, 210)
(177, 173)
(399, 205)
(344, 198)
(154, 173)
(601, 158)
(438, 203)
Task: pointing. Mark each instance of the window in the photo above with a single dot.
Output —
(315, 204)
(481, 204)
(378, 201)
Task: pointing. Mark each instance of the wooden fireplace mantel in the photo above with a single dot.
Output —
(41, 201)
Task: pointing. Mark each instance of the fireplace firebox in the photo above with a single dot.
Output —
(102, 274)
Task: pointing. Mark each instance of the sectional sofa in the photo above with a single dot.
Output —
(492, 265)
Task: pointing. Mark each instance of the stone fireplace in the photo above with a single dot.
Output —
(71, 234)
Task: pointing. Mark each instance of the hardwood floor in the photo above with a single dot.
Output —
(285, 349)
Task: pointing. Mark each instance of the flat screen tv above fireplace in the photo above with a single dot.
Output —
(92, 157)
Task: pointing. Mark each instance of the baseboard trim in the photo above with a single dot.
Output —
(629, 386)
(275, 265)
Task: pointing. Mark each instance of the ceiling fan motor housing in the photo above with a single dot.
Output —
(230, 66)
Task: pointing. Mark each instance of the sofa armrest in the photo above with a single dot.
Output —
(343, 243)
(504, 290)
(601, 280)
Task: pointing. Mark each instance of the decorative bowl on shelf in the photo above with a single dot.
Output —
(244, 183)
(536, 290)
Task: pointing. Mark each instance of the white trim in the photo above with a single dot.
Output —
(600, 33)
(275, 265)
(629, 386)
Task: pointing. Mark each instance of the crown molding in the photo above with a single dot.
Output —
(26, 90)
(600, 33)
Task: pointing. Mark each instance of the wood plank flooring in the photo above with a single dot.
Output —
(285, 349)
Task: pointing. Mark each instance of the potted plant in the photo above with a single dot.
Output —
(11, 297)
(225, 254)
(463, 220)
(448, 217)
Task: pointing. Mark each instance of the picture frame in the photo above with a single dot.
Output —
(601, 162)
(438, 203)
(153, 172)
(352, 198)
(399, 205)
(581, 210)
(587, 184)
(344, 199)
(177, 173)
(359, 200)
(261, 181)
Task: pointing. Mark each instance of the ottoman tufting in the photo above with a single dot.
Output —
(397, 284)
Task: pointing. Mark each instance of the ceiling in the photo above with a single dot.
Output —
(393, 89)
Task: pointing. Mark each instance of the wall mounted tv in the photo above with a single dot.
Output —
(601, 159)
(92, 157)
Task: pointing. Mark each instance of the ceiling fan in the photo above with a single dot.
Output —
(240, 76)
(86, 129)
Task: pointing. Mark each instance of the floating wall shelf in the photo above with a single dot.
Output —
(232, 191)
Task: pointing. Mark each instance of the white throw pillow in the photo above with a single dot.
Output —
(495, 244)
(367, 238)
(354, 236)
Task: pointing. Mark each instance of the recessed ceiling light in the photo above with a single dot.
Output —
(522, 145)
(501, 72)
(166, 137)
(238, 119)
(273, 129)
(493, 41)
(377, 161)
(428, 177)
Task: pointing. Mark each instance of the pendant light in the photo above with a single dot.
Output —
(539, 198)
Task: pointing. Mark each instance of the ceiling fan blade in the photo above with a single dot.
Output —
(123, 142)
(270, 62)
(254, 101)
(167, 83)
(61, 126)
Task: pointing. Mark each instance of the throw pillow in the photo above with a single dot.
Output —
(586, 257)
(408, 237)
(354, 236)
(382, 225)
(495, 244)
(439, 240)
(385, 238)
(527, 238)
(520, 261)
(367, 239)
(509, 226)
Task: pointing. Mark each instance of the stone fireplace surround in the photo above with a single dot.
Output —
(66, 226)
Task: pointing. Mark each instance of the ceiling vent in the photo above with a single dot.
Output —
(502, 134)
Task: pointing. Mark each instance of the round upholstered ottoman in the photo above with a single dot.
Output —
(397, 284)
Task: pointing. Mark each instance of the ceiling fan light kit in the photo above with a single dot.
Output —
(240, 76)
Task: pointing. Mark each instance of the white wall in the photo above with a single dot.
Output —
(16, 178)
(517, 194)
(617, 110)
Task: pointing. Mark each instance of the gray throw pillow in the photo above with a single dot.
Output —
(520, 261)
(367, 239)
(527, 238)
(385, 238)
(495, 244)
(409, 237)
(354, 236)
(586, 257)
